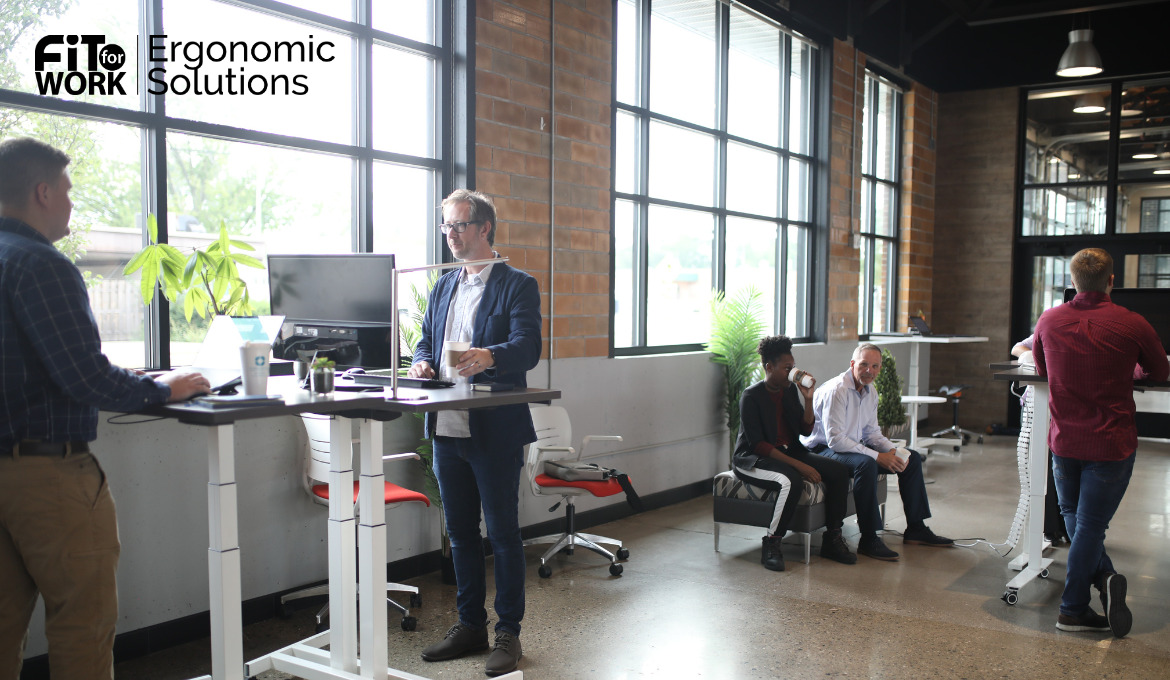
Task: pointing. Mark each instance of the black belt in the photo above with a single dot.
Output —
(30, 448)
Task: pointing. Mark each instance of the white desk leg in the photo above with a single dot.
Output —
(342, 574)
(1037, 471)
(372, 554)
(914, 356)
(223, 556)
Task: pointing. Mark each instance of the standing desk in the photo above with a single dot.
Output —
(307, 659)
(916, 341)
(1037, 474)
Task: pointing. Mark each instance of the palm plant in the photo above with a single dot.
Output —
(736, 329)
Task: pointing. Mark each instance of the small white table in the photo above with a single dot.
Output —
(916, 341)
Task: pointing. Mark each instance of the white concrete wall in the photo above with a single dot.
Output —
(666, 407)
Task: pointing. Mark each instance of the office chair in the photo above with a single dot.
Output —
(315, 471)
(553, 442)
(955, 392)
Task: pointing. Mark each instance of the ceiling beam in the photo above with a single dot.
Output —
(1054, 8)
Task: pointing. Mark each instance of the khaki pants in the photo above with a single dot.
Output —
(59, 539)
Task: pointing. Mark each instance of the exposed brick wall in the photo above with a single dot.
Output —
(519, 162)
(916, 233)
(973, 248)
(845, 190)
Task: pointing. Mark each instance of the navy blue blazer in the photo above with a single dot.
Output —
(508, 323)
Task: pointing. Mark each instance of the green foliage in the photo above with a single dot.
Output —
(208, 280)
(324, 362)
(736, 329)
(411, 333)
(891, 412)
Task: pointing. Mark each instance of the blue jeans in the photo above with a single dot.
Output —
(911, 486)
(471, 476)
(1089, 493)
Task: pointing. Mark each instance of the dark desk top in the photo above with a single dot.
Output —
(1028, 375)
(351, 404)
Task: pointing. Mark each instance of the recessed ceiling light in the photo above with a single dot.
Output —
(1074, 175)
(1144, 156)
(1162, 172)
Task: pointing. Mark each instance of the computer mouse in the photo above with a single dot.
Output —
(354, 371)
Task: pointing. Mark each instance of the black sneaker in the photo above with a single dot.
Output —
(834, 547)
(924, 536)
(459, 640)
(770, 553)
(505, 655)
(1090, 621)
(872, 546)
(1116, 613)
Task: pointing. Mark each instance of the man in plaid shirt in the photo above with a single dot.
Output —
(58, 529)
(1088, 348)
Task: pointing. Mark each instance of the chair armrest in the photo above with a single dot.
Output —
(400, 456)
(597, 438)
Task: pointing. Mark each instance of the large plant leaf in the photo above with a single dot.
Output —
(736, 329)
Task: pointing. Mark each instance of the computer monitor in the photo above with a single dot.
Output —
(337, 306)
(1151, 303)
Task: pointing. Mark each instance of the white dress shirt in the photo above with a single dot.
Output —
(460, 326)
(846, 420)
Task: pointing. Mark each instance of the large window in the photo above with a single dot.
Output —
(881, 161)
(305, 127)
(713, 170)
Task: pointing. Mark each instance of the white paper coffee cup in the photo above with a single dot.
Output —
(799, 376)
(902, 453)
(254, 367)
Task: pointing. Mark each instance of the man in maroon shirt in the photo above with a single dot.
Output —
(1088, 348)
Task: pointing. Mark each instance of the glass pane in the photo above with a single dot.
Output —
(1144, 146)
(884, 126)
(1153, 271)
(624, 278)
(404, 113)
(885, 220)
(797, 271)
(406, 215)
(1143, 208)
(276, 200)
(800, 97)
(628, 49)
(414, 19)
(1064, 145)
(332, 8)
(753, 75)
(799, 191)
(626, 153)
(1065, 211)
(1050, 276)
(682, 164)
(67, 71)
(678, 295)
(298, 78)
(753, 185)
(107, 220)
(682, 59)
(751, 261)
(878, 293)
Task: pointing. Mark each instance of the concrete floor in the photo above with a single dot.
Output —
(681, 610)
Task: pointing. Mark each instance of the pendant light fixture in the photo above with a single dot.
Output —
(1080, 58)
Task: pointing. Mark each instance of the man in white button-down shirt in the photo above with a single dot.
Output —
(847, 431)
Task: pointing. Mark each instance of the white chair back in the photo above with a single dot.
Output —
(552, 430)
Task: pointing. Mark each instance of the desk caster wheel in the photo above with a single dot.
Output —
(409, 623)
(415, 600)
(544, 571)
(615, 569)
(623, 554)
(1044, 573)
(1010, 597)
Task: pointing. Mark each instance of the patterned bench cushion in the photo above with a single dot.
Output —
(727, 485)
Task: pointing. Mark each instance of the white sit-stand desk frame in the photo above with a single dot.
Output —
(1034, 543)
(349, 582)
(914, 397)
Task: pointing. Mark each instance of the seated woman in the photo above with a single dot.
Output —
(768, 452)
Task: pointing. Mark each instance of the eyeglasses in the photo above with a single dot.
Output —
(457, 227)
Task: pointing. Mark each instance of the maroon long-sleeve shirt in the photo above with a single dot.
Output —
(1088, 348)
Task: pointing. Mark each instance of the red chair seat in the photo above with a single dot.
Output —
(393, 493)
(600, 489)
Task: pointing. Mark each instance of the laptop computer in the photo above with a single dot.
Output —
(919, 325)
(218, 359)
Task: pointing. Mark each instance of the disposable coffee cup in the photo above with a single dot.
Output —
(452, 350)
(800, 377)
(902, 453)
(254, 367)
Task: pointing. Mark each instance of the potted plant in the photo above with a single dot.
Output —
(321, 375)
(736, 329)
(891, 411)
(208, 280)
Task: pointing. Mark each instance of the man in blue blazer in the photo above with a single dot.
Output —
(479, 453)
